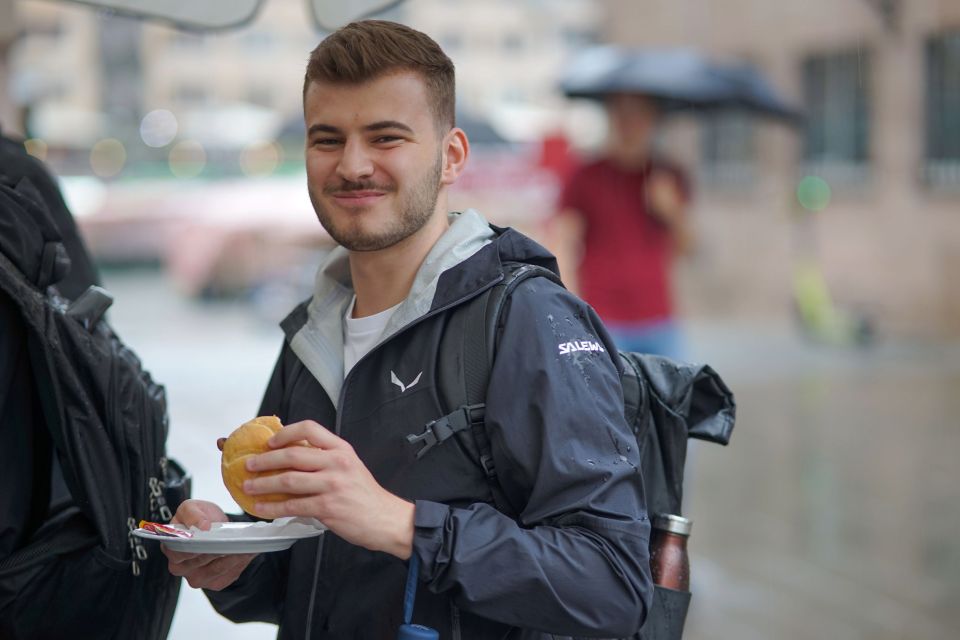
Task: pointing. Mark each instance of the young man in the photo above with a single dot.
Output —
(357, 375)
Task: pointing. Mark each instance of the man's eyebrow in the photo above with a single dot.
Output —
(388, 124)
(376, 126)
(322, 128)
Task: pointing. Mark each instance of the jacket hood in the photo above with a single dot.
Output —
(466, 259)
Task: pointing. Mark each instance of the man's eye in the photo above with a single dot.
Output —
(325, 142)
(387, 139)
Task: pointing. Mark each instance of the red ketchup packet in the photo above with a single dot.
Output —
(164, 530)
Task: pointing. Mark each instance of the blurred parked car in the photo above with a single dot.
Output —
(216, 238)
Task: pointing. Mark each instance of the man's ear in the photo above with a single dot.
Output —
(456, 149)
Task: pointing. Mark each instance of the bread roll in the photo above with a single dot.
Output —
(247, 440)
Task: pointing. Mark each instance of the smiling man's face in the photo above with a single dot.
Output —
(374, 159)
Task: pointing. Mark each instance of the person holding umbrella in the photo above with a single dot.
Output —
(622, 220)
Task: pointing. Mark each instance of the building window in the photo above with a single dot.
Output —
(837, 137)
(943, 110)
(727, 149)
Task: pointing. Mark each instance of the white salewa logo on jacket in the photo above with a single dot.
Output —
(582, 345)
(403, 387)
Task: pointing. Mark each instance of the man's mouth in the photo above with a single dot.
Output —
(357, 198)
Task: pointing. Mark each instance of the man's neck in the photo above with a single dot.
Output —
(382, 279)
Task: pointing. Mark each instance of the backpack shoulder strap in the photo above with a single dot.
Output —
(466, 358)
(483, 327)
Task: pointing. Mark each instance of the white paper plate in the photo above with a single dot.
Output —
(225, 538)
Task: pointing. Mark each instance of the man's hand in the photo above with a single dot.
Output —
(204, 570)
(664, 198)
(333, 486)
(667, 203)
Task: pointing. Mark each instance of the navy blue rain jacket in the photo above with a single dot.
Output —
(571, 561)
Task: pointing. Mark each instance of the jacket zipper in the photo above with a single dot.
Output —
(137, 551)
(313, 589)
(454, 621)
(337, 426)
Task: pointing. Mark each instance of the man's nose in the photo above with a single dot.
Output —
(355, 163)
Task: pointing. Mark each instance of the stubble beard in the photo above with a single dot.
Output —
(415, 209)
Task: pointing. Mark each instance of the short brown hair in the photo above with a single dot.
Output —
(369, 49)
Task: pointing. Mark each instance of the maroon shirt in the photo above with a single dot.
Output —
(625, 271)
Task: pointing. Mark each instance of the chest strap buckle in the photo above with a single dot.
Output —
(443, 428)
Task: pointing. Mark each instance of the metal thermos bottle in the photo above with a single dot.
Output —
(669, 561)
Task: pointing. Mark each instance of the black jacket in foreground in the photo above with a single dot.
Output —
(574, 560)
(26, 460)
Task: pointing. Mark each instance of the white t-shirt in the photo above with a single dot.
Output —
(360, 335)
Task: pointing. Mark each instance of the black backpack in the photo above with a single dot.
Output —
(83, 574)
(665, 402)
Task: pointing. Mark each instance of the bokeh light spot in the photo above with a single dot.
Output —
(107, 157)
(187, 159)
(813, 192)
(158, 128)
(260, 159)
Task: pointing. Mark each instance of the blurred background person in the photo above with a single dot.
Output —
(622, 220)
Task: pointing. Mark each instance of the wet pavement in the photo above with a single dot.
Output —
(832, 514)
(834, 511)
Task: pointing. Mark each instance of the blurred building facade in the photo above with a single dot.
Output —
(254, 73)
(137, 103)
(62, 83)
(878, 80)
(508, 53)
(880, 84)
(71, 64)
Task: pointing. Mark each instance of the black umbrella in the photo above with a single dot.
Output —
(678, 79)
